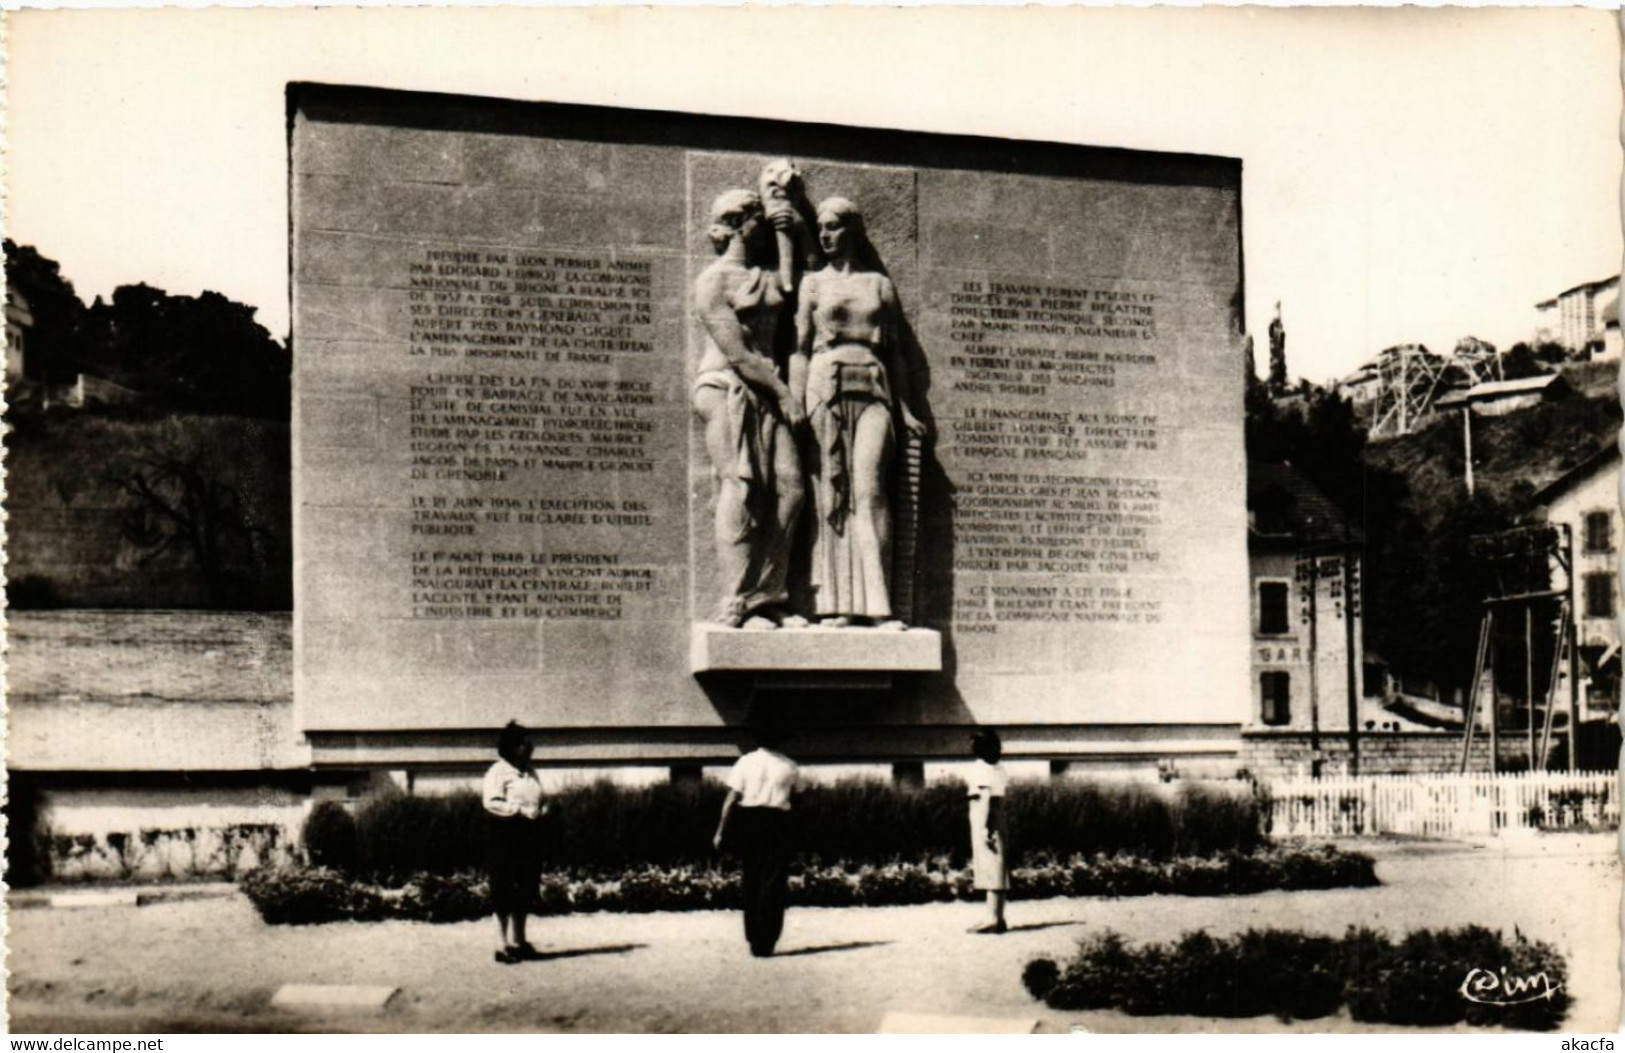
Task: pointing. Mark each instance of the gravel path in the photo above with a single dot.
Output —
(212, 965)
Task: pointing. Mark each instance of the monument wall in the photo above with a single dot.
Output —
(504, 499)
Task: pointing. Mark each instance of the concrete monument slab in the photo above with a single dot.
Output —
(717, 649)
(595, 408)
(333, 998)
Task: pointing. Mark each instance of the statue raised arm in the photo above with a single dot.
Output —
(748, 412)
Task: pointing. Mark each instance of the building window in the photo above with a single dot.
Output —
(1272, 608)
(1275, 689)
(1599, 595)
(1599, 532)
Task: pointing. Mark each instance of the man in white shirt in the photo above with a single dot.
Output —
(760, 786)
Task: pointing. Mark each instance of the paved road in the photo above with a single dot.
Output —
(212, 965)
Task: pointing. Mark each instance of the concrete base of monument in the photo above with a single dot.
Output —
(716, 648)
(1194, 750)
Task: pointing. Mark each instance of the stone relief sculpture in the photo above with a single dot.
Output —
(849, 371)
(832, 412)
(749, 413)
(781, 189)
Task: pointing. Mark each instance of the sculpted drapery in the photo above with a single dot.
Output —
(832, 411)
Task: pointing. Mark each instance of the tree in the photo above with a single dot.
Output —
(1438, 622)
(188, 354)
(1422, 592)
(180, 496)
(1320, 435)
(202, 354)
(1522, 361)
(55, 341)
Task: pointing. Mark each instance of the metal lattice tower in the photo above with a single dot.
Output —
(1408, 380)
(1476, 361)
(1411, 379)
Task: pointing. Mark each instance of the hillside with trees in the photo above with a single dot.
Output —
(201, 354)
(1513, 455)
(176, 495)
(1422, 582)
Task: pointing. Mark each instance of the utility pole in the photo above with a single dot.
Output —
(1574, 648)
(1309, 578)
(1529, 676)
(1351, 611)
(1314, 670)
(1467, 442)
(1495, 709)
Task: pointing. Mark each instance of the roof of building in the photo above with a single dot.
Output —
(1365, 374)
(1583, 286)
(1601, 460)
(1282, 504)
(17, 308)
(1549, 383)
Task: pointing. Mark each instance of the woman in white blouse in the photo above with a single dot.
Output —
(513, 810)
(986, 786)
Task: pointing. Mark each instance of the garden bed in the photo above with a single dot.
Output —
(314, 895)
(602, 826)
(1431, 977)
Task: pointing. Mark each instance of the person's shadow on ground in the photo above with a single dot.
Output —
(830, 948)
(1034, 926)
(582, 952)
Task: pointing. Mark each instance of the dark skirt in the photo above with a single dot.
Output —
(763, 840)
(513, 862)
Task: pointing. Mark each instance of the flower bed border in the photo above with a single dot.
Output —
(1425, 979)
(314, 895)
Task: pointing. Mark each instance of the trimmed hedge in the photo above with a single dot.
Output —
(869, 821)
(313, 895)
(306, 895)
(28, 833)
(1225, 874)
(1292, 975)
(329, 837)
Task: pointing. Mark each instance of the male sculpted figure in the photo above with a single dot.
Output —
(749, 412)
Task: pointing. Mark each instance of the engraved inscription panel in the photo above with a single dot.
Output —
(503, 537)
(522, 388)
(1096, 541)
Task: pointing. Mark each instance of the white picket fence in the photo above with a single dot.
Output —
(1443, 805)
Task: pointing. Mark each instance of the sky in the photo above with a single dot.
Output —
(1408, 174)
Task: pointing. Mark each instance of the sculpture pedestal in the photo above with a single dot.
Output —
(715, 648)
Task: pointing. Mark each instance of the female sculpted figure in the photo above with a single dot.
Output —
(849, 370)
(748, 413)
